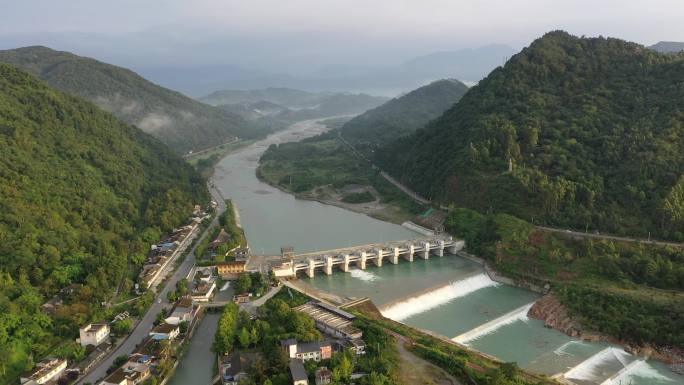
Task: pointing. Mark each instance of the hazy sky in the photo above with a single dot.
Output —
(309, 34)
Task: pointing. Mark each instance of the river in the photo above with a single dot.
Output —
(448, 295)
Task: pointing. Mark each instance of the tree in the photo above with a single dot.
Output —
(243, 284)
(244, 338)
(123, 326)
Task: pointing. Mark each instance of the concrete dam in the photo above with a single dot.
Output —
(360, 256)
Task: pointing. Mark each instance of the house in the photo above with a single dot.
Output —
(357, 345)
(133, 372)
(230, 270)
(183, 311)
(221, 238)
(52, 305)
(93, 334)
(203, 291)
(129, 374)
(233, 368)
(204, 274)
(306, 351)
(95, 354)
(241, 298)
(49, 369)
(165, 332)
(154, 349)
(323, 376)
(298, 373)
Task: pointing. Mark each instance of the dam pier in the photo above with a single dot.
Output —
(361, 256)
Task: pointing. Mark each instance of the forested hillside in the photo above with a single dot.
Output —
(403, 115)
(182, 123)
(82, 196)
(578, 132)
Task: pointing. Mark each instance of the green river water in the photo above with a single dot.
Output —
(448, 295)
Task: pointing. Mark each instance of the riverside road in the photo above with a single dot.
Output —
(143, 327)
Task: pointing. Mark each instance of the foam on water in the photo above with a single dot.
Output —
(519, 314)
(419, 304)
(641, 370)
(363, 275)
(563, 349)
(588, 370)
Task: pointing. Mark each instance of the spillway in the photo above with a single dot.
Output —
(421, 303)
(519, 314)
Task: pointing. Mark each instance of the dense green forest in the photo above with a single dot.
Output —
(182, 123)
(82, 197)
(403, 115)
(631, 291)
(576, 132)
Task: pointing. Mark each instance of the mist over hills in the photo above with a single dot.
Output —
(467, 65)
(276, 108)
(182, 123)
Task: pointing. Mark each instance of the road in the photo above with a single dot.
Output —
(142, 329)
(419, 199)
(610, 237)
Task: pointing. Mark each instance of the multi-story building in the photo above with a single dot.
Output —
(47, 370)
(93, 334)
(230, 270)
(306, 351)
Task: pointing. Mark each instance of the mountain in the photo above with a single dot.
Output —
(276, 108)
(296, 99)
(82, 196)
(403, 115)
(585, 133)
(469, 65)
(182, 123)
(668, 46)
(199, 81)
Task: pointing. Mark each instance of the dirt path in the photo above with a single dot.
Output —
(414, 370)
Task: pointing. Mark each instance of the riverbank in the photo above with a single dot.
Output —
(325, 170)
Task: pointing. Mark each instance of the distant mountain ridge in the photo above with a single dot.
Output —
(182, 123)
(275, 108)
(668, 46)
(586, 133)
(468, 65)
(403, 115)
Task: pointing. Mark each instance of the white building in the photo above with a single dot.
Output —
(93, 334)
(165, 332)
(184, 311)
(46, 370)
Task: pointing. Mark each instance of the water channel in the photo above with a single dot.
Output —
(449, 295)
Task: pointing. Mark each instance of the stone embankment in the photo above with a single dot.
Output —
(549, 309)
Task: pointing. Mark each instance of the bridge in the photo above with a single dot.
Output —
(361, 256)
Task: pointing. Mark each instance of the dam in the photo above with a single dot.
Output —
(450, 296)
(361, 256)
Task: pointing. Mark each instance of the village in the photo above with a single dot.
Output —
(302, 339)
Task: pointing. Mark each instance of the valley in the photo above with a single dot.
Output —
(333, 194)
